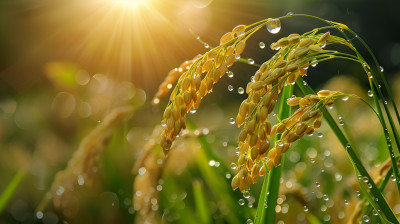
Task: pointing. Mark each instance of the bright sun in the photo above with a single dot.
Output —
(132, 3)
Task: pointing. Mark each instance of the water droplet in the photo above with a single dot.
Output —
(251, 61)
(358, 194)
(156, 101)
(230, 74)
(346, 202)
(374, 212)
(206, 45)
(265, 204)
(249, 221)
(325, 197)
(338, 177)
(314, 62)
(142, 170)
(211, 163)
(304, 83)
(240, 90)
(241, 201)
(341, 122)
(237, 56)
(320, 135)
(261, 45)
(322, 45)
(231, 120)
(81, 180)
(381, 68)
(290, 14)
(274, 26)
(192, 110)
(305, 208)
(250, 205)
(312, 160)
(246, 194)
(227, 175)
(60, 190)
(317, 184)
(39, 214)
(230, 87)
(370, 94)
(365, 179)
(345, 98)
(366, 218)
(233, 166)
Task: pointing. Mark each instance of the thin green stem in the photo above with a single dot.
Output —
(10, 189)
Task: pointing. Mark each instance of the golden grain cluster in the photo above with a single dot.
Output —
(198, 81)
(295, 53)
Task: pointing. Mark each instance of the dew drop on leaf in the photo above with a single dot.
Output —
(366, 218)
(246, 194)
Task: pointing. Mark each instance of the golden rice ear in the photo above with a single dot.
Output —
(275, 46)
(226, 38)
(235, 182)
(305, 42)
(239, 29)
(240, 47)
(293, 101)
(283, 42)
(324, 93)
(322, 40)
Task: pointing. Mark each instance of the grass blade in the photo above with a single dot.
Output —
(200, 201)
(10, 189)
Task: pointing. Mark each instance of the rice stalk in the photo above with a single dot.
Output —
(82, 167)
